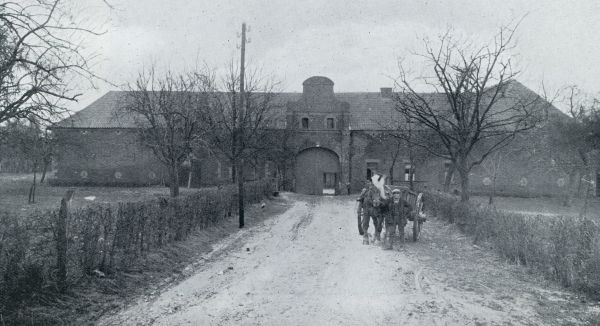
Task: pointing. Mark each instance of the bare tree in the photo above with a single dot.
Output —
(168, 109)
(573, 136)
(29, 144)
(404, 136)
(477, 105)
(281, 149)
(41, 59)
(239, 132)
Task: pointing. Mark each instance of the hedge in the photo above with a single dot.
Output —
(105, 238)
(563, 248)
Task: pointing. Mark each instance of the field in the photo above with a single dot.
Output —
(546, 206)
(14, 189)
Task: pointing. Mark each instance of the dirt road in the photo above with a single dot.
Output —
(308, 266)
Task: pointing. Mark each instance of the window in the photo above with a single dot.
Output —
(218, 169)
(330, 123)
(266, 169)
(407, 170)
(230, 172)
(304, 123)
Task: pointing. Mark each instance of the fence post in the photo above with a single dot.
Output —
(61, 241)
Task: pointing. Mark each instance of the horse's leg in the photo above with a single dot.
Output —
(366, 216)
(359, 214)
(401, 224)
(390, 229)
(378, 224)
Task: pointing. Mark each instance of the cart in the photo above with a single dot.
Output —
(417, 216)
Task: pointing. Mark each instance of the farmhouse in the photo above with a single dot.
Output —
(338, 139)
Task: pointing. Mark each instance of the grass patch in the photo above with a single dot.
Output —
(547, 206)
(14, 189)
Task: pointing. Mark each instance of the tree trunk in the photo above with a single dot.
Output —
(46, 163)
(448, 180)
(579, 184)
(587, 196)
(493, 192)
(174, 181)
(233, 171)
(31, 198)
(464, 182)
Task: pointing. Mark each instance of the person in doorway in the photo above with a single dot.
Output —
(397, 215)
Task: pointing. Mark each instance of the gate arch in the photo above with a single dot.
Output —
(317, 171)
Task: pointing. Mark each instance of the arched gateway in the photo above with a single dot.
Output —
(317, 171)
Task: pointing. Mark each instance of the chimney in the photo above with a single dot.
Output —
(386, 92)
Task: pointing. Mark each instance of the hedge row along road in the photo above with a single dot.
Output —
(308, 266)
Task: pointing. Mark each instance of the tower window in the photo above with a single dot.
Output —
(330, 123)
(304, 123)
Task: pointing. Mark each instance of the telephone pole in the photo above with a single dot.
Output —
(240, 132)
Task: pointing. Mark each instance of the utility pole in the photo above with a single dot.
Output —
(240, 132)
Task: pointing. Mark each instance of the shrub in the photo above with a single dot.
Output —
(566, 249)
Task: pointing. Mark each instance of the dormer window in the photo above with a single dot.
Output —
(304, 123)
(330, 123)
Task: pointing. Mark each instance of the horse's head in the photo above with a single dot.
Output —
(376, 192)
(378, 180)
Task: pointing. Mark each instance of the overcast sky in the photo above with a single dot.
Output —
(355, 43)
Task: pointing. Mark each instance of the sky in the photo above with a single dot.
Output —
(357, 44)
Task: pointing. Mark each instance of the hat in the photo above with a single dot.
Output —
(396, 191)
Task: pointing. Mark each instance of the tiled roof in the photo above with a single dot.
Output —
(105, 113)
(100, 114)
(368, 110)
(371, 111)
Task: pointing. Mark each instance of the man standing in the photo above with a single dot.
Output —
(396, 216)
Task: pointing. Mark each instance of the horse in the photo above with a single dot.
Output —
(372, 206)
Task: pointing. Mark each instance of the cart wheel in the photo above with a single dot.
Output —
(417, 218)
(359, 215)
(416, 229)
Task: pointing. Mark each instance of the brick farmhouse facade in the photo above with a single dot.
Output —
(338, 138)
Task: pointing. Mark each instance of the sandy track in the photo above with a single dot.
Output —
(309, 267)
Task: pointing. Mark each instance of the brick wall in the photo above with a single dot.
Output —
(105, 157)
